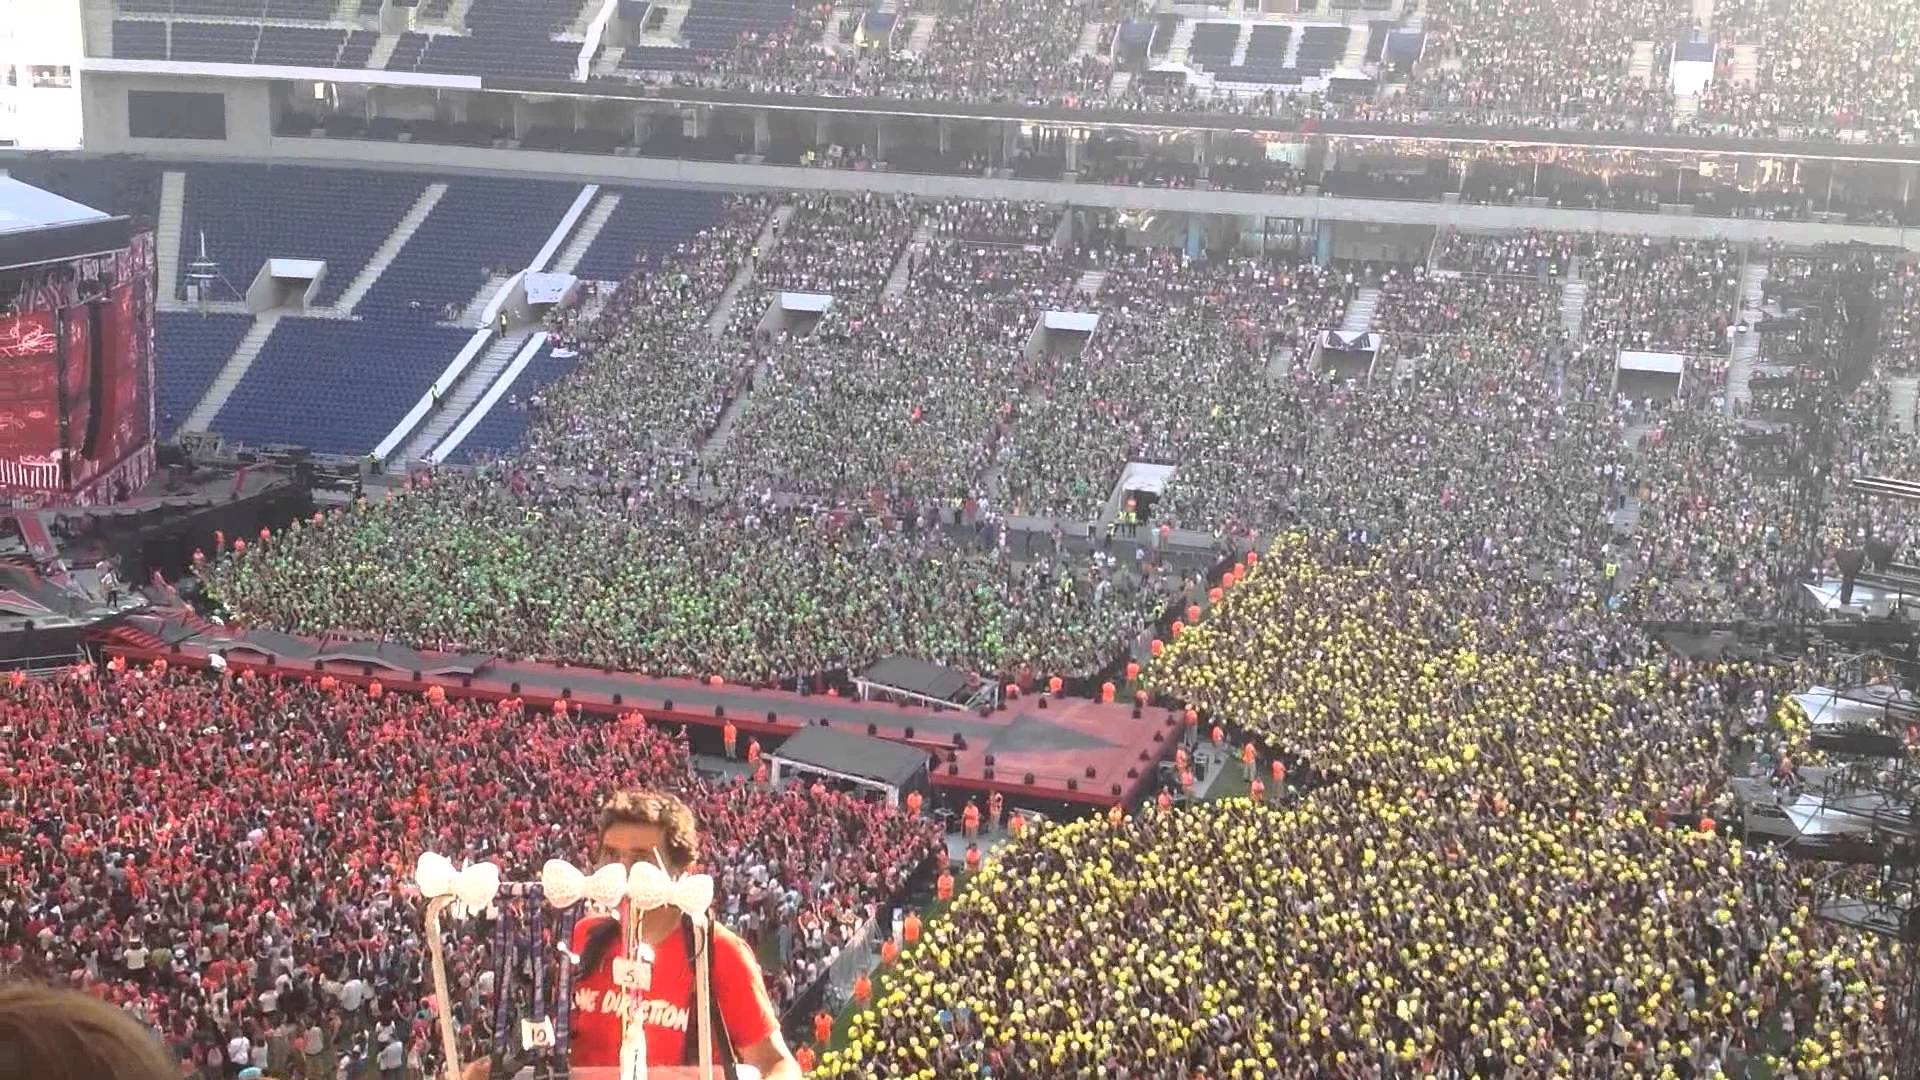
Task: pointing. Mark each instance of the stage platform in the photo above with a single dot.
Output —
(1074, 750)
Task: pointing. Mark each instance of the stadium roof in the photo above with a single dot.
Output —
(24, 208)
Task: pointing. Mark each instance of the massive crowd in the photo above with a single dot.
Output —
(1514, 62)
(762, 596)
(227, 857)
(1435, 646)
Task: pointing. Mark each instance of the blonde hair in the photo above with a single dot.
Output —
(52, 1034)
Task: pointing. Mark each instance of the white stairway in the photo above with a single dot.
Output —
(1742, 359)
(922, 36)
(609, 60)
(1359, 316)
(669, 32)
(388, 250)
(1182, 42)
(457, 14)
(1356, 53)
(167, 224)
(902, 275)
(769, 236)
(1573, 308)
(1686, 106)
(1746, 65)
(1753, 291)
(232, 372)
(1903, 396)
(473, 383)
(1240, 46)
(1703, 14)
(470, 315)
(1089, 41)
(382, 51)
(1640, 65)
(585, 233)
(1118, 85)
(1090, 284)
(346, 11)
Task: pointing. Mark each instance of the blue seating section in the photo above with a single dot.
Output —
(317, 10)
(481, 223)
(251, 213)
(301, 46)
(647, 225)
(407, 51)
(659, 58)
(214, 43)
(193, 348)
(505, 427)
(1321, 48)
(1266, 59)
(1213, 45)
(716, 26)
(1377, 32)
(114, 185)
(513, 38)
(358, 49)
(336, 387)
(139, 39)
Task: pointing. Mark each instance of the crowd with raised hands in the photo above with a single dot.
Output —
(912, 402)
(1497, 856)
(652, 382)
(1178, 338)
(1660, 295)
(1373, 933)
(755, 595)
(1531, 254)
(1820, 68)
(228, 857)
(843, 246)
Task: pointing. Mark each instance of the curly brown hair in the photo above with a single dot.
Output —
(645, 806)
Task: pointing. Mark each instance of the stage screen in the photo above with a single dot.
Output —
(29, 399)
(76, 379)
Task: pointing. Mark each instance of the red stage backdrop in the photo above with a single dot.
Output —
(76, 380)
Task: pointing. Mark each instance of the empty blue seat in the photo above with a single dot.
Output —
(505, 427)
(192, 350)
(481, 224)
(250, 213)
(139, 39)
(647, 225)
(334, 386)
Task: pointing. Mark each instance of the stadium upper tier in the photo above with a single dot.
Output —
(1754, 69)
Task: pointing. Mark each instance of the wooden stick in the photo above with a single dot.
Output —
(437, 951)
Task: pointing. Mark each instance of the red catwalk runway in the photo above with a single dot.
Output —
(1070, 750)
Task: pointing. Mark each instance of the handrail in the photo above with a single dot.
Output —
(488, 400)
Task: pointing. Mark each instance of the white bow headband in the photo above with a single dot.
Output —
(646, 885)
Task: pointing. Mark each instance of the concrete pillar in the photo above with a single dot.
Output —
(1323, 242)
(1073, 151)
(1009, 141)
(519, 118)
(880, 138)
(1203, 152)
(642, 126)
(762, 132)
(944, 130)
(822, 130)
(1196, 236)
(1909, 182)
(698, 121)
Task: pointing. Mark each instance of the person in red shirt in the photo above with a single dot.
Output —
(639, 824)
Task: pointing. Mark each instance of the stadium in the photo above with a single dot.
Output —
(1233, 539)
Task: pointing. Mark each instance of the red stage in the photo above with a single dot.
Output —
(1067, 750)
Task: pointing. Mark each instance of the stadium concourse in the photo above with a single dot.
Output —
(1408, 597)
